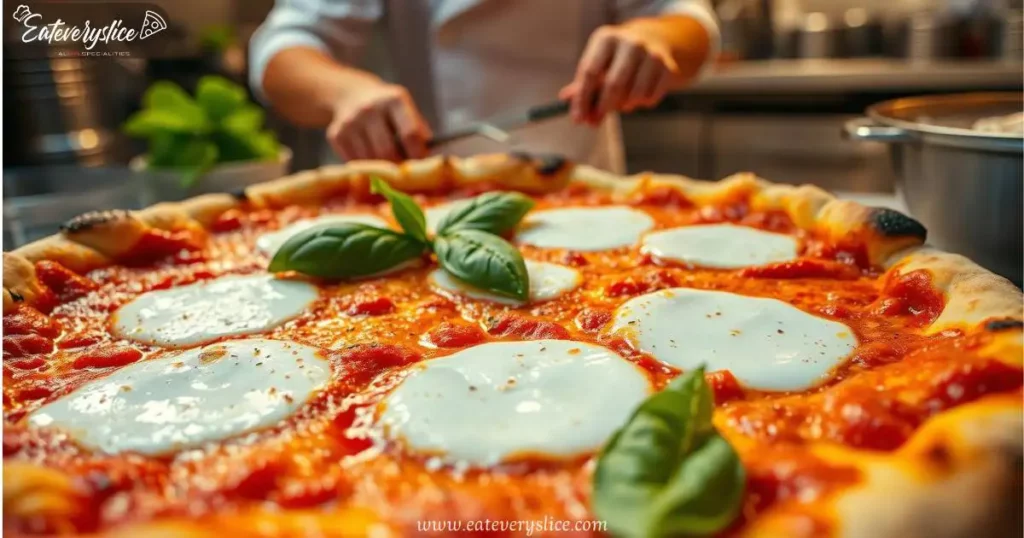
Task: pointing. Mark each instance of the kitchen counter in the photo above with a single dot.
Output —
(854, 75)
(888, 200)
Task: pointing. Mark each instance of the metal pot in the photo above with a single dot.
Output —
(965, 186)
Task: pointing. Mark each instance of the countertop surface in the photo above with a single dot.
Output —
(889, 200)
(878, 74)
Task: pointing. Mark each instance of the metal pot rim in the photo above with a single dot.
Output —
(889, 113)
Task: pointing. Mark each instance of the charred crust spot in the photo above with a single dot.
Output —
(239, 194)
(1006, 324)
(546, 163)
(92, 219)
(15, 296)
(521, 156)
(939, 456)
(892, 223)
(550, 164)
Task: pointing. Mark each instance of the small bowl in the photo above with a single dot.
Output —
(165, 185)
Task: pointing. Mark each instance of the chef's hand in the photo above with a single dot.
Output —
(621, 69)
(378, 121)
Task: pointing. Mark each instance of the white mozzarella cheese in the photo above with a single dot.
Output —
(766, 344)
(205, 311)
(437, 213)
(270, 242)
(496, 401)
(188, 398)
(547, 281)
(585, 228)
(721, 246)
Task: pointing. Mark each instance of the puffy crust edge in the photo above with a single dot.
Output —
(974, 295)
(349, 522)
(960, 475)
(982, 440)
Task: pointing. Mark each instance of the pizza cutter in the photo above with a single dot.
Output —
(497, 128)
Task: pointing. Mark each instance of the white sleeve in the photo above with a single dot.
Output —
(338, 27)
(700, 10)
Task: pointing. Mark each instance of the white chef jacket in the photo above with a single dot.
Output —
(469, 60)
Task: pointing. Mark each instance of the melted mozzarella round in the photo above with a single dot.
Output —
(722, 246)
(547, 281)
(766, 344)
(187, 398)
(437, 213)
(496, 401)
(272, 241)
(585, 228)
(205, 311)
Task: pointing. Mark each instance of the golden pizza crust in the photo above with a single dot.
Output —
(206, 208)
(957, 477)
(919, 490)
(20, 282)
(32, 491)
(75, 256)
(111, 233)
(341, 523)
(973, 294)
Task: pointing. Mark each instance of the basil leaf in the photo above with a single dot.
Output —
(166, 95)
(246, 120)
(668, 471)
(150, 122)
(346, 250)
(200, 155)
(494, 212)
(239, 146)
(407, 213)
(485, 261)
(166, 106)
(219, 97)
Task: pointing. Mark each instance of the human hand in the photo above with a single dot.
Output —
(377, 120)
(621, 69)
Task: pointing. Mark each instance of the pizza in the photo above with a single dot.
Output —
(152, 23)
(514, 346)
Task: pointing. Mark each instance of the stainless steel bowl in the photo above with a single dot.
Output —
(965, 186)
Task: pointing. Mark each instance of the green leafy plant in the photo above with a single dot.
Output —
(466, 244)
(668, 472)
(192, 135)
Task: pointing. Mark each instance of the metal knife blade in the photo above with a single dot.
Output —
(497, 127)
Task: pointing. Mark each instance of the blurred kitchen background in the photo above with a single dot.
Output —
(791, 73)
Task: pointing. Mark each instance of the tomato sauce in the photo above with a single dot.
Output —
(375, 330)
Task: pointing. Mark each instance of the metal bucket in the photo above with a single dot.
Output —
(964, 185)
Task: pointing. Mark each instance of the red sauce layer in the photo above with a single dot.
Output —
(372, 330)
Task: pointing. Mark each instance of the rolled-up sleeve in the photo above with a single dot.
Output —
(337, 27)
(700, 10)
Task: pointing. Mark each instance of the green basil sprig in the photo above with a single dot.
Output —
(493, 212)
(346, 250)
(465, 244)
(668, 472)
(407, 213)
(484, 260)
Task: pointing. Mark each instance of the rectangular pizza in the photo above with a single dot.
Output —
(507, 345)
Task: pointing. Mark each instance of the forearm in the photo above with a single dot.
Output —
(685, 38)
(305, 84)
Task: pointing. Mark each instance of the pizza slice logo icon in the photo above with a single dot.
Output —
(152, 24)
